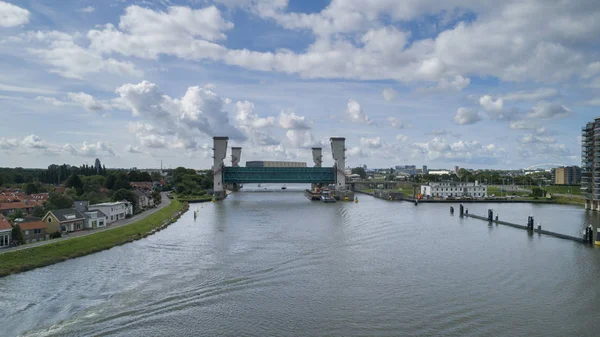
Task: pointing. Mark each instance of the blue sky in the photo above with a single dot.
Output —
(478, 84)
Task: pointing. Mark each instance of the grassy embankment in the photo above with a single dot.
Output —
(27, 259)
(193, 198)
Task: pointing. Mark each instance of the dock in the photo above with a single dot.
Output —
(535, 230)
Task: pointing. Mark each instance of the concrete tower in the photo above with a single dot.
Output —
(219, 153)
(317, 156)
(236, 155)
(338, 150)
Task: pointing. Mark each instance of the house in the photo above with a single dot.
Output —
(454, 189)
(26, 206)
(5, 232)
(94, 219)
(113, 210)
(64, 220)
(142, 185)
(81, 206)
(142, 200)
(33, 229)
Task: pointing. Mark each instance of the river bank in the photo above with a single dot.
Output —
(556, 199)
(28, 259)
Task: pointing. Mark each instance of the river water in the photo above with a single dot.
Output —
(276, 264)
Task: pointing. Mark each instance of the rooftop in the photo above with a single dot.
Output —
(115, 203)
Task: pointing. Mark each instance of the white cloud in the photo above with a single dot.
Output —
(356, 152)
(595, 102)
(198, 113)
(457, 83)
(180, 31)
(523, 124)
(396, 123)
(246, 116)
(530, 139)
(14, 88)
(460, 151)
(89, 150)
(530, 95)
(86, 100)
(291, 121)
(70, 60)
(488, 104)
(389, 94)
(302, 139)
(35, 142)
(546, 110)
(372, 143)
(465, 116)
(355, 113)
(11, 15)
(153, 141)
(401, 138)
(50, 100)
(88, 9)
(132, 149)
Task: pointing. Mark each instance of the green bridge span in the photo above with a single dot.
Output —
(316, 175)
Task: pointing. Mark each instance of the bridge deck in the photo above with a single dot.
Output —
(324, 175)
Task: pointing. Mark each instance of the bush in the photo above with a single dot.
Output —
(55, 235)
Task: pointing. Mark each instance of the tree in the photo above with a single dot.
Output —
(38, 211)
(58, 201)
(154, 176)
(18, 214)
(156, 197)
(30, 188)
(360, 171)
(110, 181)
(463, 172)
(121, 183)
(125, 194)
(537, 192)
(75, 182)
(17, 235)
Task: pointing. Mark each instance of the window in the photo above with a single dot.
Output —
(26, 232)
(37, 231)
(78, 225)
(49, 219)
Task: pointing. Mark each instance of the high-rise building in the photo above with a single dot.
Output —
(425, 169)
(566, 175)
(590, 176)
(97, 165)
(456, 168)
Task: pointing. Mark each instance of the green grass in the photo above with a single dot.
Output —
(193, 198)
(568, 200)
(498, 193)
(575, 190)
(27, 259)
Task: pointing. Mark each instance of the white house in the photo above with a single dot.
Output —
(454, 189)
(94, 219)
(5, 232)
(113, 210)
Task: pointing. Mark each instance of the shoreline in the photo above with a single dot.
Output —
(42, 256)
(559, 200)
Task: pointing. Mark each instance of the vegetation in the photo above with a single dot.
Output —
(35, 257)
(156, 197)
(57, 201)
(360, 171)
(124, 194)
(564, 189)
(17, 235)
(189, 183)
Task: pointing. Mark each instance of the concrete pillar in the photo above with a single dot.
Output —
(236, 155)
(588, 204)
(317, 156)
(219, 153)
(338, 151)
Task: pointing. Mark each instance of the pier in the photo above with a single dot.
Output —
(529, 227)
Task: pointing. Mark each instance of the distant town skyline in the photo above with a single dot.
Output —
(443, 84)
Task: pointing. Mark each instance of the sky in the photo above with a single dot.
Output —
(471, 83)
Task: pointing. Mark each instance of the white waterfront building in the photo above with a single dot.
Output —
(454, 189)
(113, 210)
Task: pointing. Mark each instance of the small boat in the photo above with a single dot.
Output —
(326, 197)
(283, 187)
(259, 185)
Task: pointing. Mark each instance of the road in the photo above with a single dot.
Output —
(164, 202)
